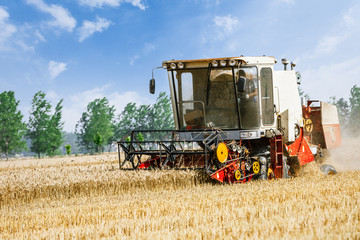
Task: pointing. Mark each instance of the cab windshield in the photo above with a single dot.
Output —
(216, 97)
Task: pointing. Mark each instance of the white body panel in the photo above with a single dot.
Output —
(329, 114)
(288, 102)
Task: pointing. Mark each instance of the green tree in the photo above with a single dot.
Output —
(12, 128)
(140, 137)
(44, 129)
(354, 122)
(158, 116)
(162, 114)
(343, 109)
(126, 121)
(55, 130)
(141, 117)
(98, 140)
(98, 119)
(68, 149)
(38, 123)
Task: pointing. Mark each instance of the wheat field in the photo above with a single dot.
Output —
(87, 197)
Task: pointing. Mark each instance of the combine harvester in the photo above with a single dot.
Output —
(237, 119)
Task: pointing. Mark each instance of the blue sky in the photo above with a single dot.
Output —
(80, 50)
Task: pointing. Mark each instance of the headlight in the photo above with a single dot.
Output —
(180, 65)
(223, 63)
(173, 65)
(215, 63)
(238, 149)
(232, 62)
(164, 65)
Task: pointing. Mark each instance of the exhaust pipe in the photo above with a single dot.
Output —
(285, 62)
(293, 64)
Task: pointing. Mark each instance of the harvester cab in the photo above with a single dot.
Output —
(242, 120)
(242, 95)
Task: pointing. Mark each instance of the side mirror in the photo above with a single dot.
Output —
(152, 86)
(241, 84)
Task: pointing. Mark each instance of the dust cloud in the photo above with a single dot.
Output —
(310, 169)
(346, 157)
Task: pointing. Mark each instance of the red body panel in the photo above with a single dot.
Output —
(276, 151)
(301, 149)
(321, 132)
(226, 174)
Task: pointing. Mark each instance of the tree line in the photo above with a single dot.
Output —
(97, 127)
(349, 112)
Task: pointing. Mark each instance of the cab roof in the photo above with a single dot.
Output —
(199, 63)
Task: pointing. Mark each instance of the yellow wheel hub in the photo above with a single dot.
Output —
(237, 175)
(222, 152)
(256, 167)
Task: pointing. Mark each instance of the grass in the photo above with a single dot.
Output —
(89, 198)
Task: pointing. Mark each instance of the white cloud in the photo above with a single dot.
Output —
(224, 29)
(351, 17)
(136, 3)
(39, 36)
(333, 79)
(100, 3)
(225, 26)
(347, 27)
(288, 2)
(89, 28)
(133, 59)
(7, 29)
(328, 44)
(227, 23)
(27, 37)
(209, 3)
(55, 68)
(18, 38)
(52, 96)
(112, 3)
(24, 46)
(120, 100)
(76, 104)
(218, 2)
(62, 17)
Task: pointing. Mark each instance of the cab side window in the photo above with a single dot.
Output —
(267, 100)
